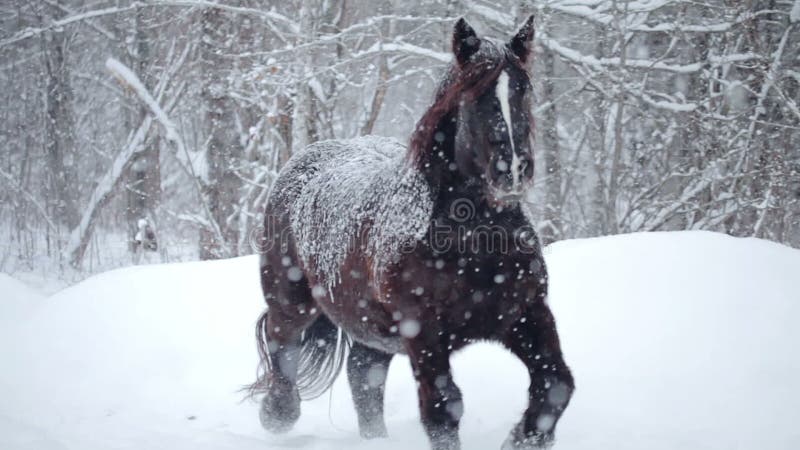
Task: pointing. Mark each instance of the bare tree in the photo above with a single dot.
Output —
(143, 180)
(669, 115)
(223, 150)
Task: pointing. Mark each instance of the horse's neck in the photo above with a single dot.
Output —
(438, 153)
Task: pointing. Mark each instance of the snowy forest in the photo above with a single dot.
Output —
(171, 118)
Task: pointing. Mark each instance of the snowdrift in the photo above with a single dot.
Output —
(17, 301)
(676, 340)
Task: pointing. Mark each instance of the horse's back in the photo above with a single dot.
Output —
(322, 158)
(331, 192)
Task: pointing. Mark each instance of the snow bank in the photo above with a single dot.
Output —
(680, 340)
(17, 300)
(677, 340)
(15, 290)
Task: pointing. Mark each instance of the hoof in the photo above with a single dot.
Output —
(373, 431)
(447, 440)
(280, 409)
(527, 444)
(517, 440)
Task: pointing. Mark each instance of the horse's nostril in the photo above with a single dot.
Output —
(501, 172)
(526, 167)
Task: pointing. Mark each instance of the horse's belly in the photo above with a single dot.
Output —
(367, 329)
(362, 318)
(385, 343)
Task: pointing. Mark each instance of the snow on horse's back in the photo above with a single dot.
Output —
(341, 188)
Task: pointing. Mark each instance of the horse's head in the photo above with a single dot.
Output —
(493, 121)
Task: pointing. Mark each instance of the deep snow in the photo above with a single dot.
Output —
(677, 341)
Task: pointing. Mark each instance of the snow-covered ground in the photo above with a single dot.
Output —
(677, 341)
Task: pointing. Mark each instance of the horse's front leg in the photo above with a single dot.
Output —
(440, 401)
(535, 341)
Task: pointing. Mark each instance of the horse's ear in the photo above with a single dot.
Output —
(465, 41)
(521, 44)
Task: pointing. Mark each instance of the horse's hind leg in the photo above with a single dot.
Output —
(534, 340)
(290, 311)
(366, 372)
(280, 406)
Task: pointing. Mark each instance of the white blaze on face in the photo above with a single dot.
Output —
(503, 95)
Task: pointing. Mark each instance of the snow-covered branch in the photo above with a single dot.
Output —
(102, 193)
(405, 49)
(270, 16)
(613, 62)
(199, 174)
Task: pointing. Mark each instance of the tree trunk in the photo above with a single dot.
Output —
(143, 180)
(223, 150)
(59, 139)
(553, 229)
(615, 172)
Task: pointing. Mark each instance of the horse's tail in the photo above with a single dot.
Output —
(323, 349)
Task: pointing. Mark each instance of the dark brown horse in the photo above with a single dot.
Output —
(373, 249)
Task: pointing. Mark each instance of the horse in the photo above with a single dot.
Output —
(373, 248)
